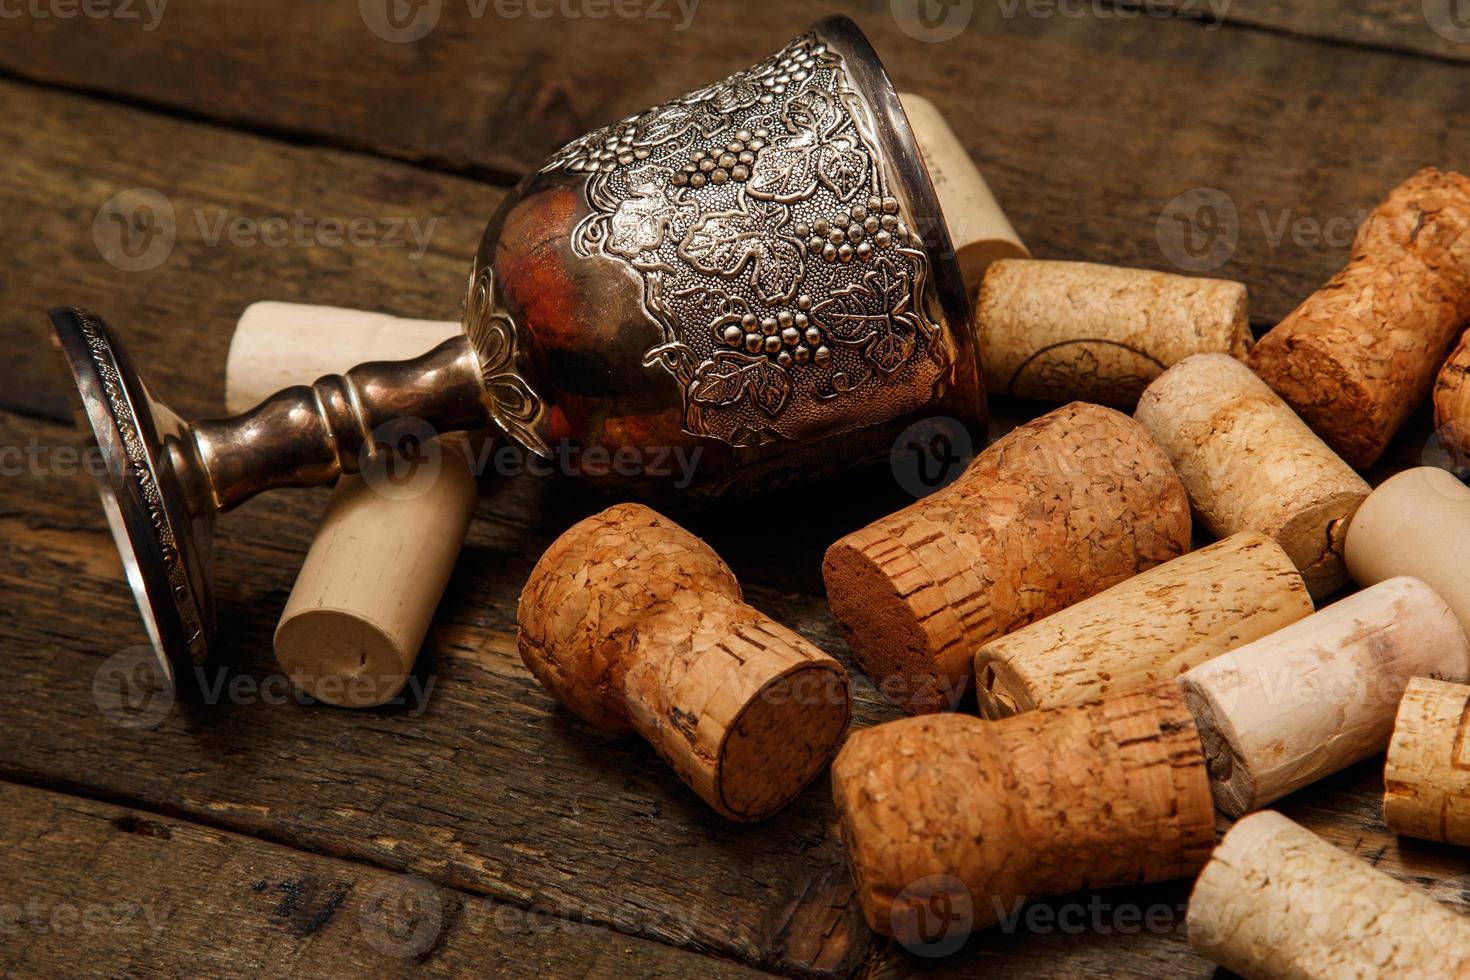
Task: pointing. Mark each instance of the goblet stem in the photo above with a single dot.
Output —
(307, 435)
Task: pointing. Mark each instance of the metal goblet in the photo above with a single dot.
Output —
(758, 271)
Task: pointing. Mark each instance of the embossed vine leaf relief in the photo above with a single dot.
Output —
(876, 315)
(773, 255)
(724, 242)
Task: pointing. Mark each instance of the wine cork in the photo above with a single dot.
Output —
(1278, 901)
(978, 228)
(971, 816)
(1320, 694)
(1151, 627)
(1249, 464)
(381, 558)
(1057, 510)
(1426, 780)
(1415, 523)
(1452, 402)
(1359, 355)
(1064, 331)
(636, 625)
(277, 345)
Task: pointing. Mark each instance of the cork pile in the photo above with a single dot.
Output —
(1085, 690)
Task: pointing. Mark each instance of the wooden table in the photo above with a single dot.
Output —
(250, 838)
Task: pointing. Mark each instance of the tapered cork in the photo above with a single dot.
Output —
(1277, 901)
(1360, 354)
(1057, 510)
(1415, 523)
(978, 816)
(637, 626)
(1319, 695)
(1250, 464)
(1060, 331)
(1148, 628)
(1426, 780)
(1452, 401)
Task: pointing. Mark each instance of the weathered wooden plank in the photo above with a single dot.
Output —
(1284, 145)
(247, 224)
(1437, 28)
(493, 789)
(96, 889)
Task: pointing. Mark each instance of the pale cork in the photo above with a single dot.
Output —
(1415, 523)
(1065, 331)
(1277, 902)
(1319, 695)
(1250, 464)
(1151, 627)
(381, 558)
(1426, 781)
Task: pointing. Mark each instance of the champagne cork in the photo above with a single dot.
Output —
(1452, 401)
(1415, 523)
(1057, 510)
(1278, 901)
(1250, 464)
(636, 625)
(1064, 331)
(978, 228)
(1427, 777)
(1319, 695)
(974, 817)
(1359, 355)
(381, 558)
(1151, 627)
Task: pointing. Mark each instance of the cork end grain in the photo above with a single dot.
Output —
(1057, 510)
(781, 740)
(340, 658)
(637, 626)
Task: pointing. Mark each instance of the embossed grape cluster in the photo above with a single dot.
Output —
(794, 67)
(792, 337)
(730, 162)
(617, 148)
(855, 233)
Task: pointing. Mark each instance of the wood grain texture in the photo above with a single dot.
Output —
(1036, 95)
(497, 791)
(144, 894)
